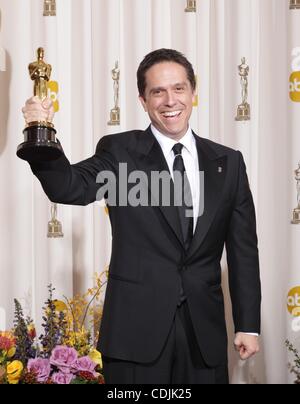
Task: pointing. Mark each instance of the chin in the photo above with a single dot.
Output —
(176, 133)
(176, 136)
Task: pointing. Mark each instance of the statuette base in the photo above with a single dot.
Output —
(40, 144)
(243, 113)
(296, 216)
(114, 117)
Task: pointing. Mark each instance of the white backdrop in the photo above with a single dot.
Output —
(82, 43)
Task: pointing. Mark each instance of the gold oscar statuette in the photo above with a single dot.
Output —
(40, 143)
(243, 111)
(49, 8)
(54, 226)
(294, 4)
(115, 112)
(191, 6)
(296, 213)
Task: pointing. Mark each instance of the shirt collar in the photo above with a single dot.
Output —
(167, 144)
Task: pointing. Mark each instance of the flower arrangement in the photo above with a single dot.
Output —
(65, 352)
(295, 367)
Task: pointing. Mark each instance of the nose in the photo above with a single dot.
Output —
(170, 100)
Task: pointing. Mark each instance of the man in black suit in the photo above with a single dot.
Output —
(163, 319)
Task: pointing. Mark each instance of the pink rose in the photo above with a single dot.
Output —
(62, 378)
(84, 364)
(41, 367)
(63, 358)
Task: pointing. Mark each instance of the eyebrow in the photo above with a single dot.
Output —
(183, 84)
(157, 89)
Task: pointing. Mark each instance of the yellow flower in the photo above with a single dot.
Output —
(96, 357)
(11, 353)
(60, 306)
(14, 372)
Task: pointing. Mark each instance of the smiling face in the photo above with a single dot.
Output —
(168, 99)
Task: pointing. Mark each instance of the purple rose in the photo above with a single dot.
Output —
(41, 367)
(62, 378)
(63, 358)
(84, 364)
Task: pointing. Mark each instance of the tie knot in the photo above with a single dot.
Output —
(177, 149)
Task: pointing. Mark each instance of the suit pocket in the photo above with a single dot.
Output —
(125, 265)
(121, 278)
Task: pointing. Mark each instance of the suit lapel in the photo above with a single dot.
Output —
(148, 157)
(214, 168)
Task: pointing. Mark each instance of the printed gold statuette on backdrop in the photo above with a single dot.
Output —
(294, 4)
(54, 226)
(191, 6)
(49, 8)
(40, 143)
(296, 213)
(243, 111)
(115, 112)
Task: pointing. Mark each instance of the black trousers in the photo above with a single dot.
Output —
(180, 361)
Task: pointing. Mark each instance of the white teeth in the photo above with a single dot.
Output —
(171, 114)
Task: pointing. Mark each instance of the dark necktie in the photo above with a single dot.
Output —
(184, 188)
(182, 185)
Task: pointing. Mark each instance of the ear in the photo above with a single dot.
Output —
(143, 102)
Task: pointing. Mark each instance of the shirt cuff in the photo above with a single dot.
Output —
(254, 334)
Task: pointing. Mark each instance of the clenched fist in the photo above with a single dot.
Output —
(37, 110)
(246, 345)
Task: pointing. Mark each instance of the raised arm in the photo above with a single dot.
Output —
(62, 182)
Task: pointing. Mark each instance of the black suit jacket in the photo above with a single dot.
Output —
(149, 261)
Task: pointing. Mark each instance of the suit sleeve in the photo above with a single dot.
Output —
(242, 257)
(75, 184)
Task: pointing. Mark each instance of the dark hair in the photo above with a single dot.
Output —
(159, 56)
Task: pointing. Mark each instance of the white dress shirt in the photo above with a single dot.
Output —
(191, 163)
(190, 159)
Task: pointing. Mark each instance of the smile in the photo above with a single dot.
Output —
(173, 114)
